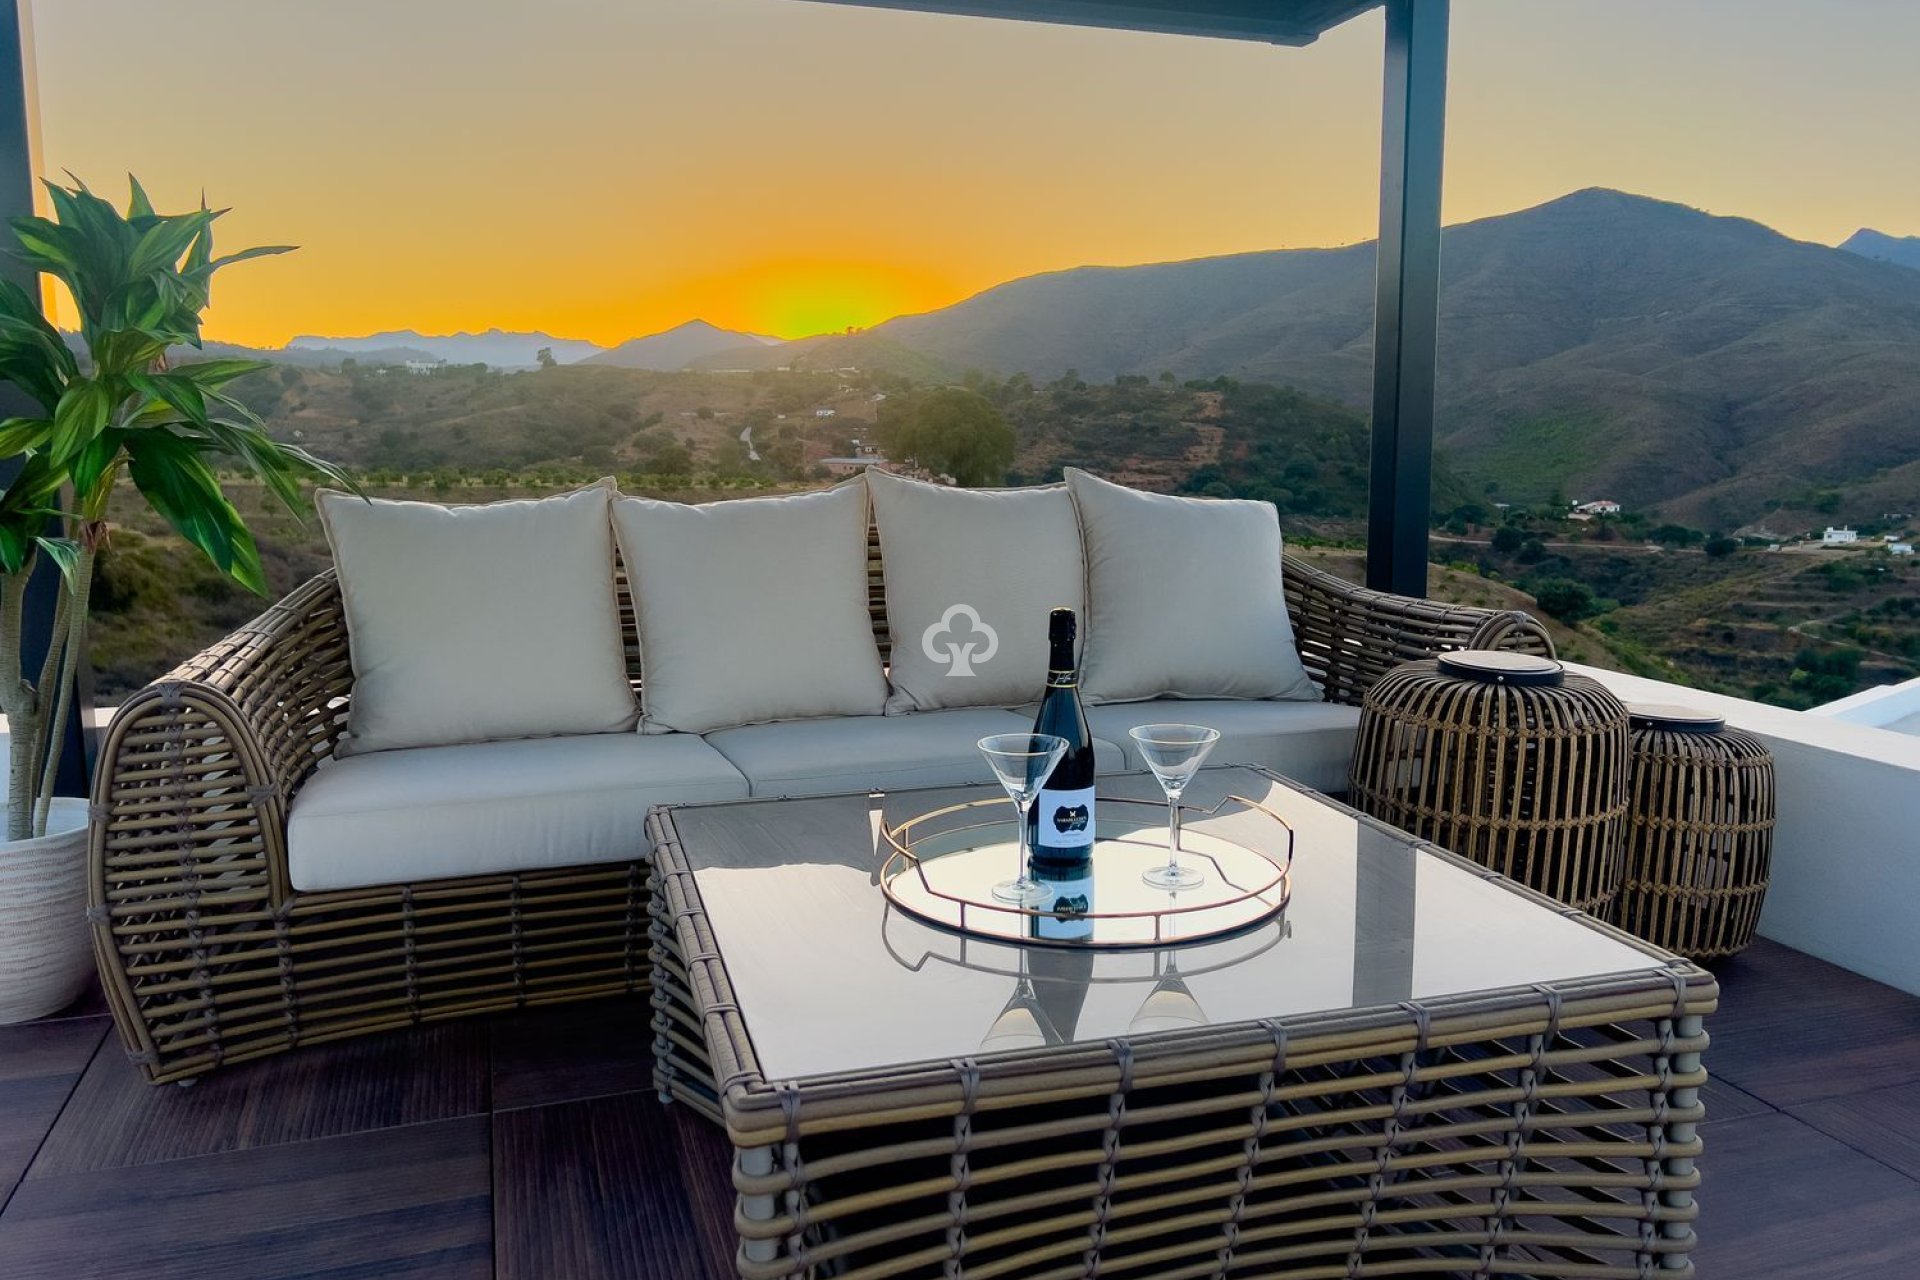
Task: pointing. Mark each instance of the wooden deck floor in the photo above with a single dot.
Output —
(530, 1147)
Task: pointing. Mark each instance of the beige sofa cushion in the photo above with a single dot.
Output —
(1184, 597)
(1309, 742)
(859, 753)
(479, 622)
(399, 817)
(974, 570)
(752, 610)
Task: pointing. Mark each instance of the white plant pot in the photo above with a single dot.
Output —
(46, 949)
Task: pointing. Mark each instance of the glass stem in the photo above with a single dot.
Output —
(1020, 811)
(1173, 830)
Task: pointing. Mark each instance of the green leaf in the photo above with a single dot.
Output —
(90, 467)
(217, 373)
(180, 393)
(18, 435)
(37, 483)
(163, 244)
(138, 206)
(78, 418)
(177, 482)
(264, 251)
(16, 543)
(64, 552)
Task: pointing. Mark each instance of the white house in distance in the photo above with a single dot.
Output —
(1603, 507)
(1838, 537)
(825, 413)
(1893, 548)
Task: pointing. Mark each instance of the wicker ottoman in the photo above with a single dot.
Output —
(1699, 832)
(1506, 759)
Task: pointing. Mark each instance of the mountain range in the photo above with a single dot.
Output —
(681, 346)
(1600, 345)
(1882, 247)
(495, 347)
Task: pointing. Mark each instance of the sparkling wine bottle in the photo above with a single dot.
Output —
(1063, 816)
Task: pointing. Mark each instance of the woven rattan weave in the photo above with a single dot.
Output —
(1527, 779)
(1537, 1130)
(209, 955)
(1699, 836)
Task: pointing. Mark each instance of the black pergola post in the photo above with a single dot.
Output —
(1407, 299)
(17, 177)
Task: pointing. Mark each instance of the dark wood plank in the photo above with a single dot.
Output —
(39, 1065)
(593, 1190)
(320, 1091)
(1884, 1124)
(1779, 1199)
(398, 1204)
(1791, 1029)
(572, 1051)
(706, 1161)
(1725, 1102)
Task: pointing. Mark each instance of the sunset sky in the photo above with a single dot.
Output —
(607, 168)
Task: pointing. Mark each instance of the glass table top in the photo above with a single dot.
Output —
(831, 977)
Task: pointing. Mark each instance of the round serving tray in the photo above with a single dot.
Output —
(941, 866)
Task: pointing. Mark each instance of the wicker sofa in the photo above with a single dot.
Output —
(210, 955)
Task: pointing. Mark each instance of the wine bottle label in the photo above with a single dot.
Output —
(1063, 916)
(1066, 819)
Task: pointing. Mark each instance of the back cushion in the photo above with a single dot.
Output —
(752, 610)
(971, 574)
(481, 622)
(1184, 597)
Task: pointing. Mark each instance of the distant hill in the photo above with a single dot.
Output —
(869, 352)
(1602, 344)
(496, 348)
(1882, 247)
(682, 346)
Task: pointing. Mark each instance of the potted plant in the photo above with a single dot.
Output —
(120, 410)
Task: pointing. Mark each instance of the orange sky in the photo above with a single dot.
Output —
(602, 170)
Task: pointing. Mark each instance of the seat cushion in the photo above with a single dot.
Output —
(479, 622)
(881, 753)
(397, 817)
(1309, 742)
(752, 610)
(971, 577)
(1184, 597)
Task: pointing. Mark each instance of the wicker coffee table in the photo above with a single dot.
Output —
(1420, 1069)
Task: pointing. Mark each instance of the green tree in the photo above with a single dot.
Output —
(1566, 599)
(1720, 547)
(545, 356)
(949, 431)
(1507, 539)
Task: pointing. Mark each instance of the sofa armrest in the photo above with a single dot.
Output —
(1350, 636)
(187, 859)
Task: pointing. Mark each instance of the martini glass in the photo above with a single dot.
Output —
(1022, 762)
(1175, 753)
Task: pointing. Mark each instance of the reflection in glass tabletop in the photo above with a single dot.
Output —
(830, 976)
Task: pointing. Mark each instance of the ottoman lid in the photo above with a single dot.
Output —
(1496, 666)
(1673, 717)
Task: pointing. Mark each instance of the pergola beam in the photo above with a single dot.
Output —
(1287, 22)
(1406, 317)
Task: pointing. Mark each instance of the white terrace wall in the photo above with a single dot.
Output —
(1846, 862)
